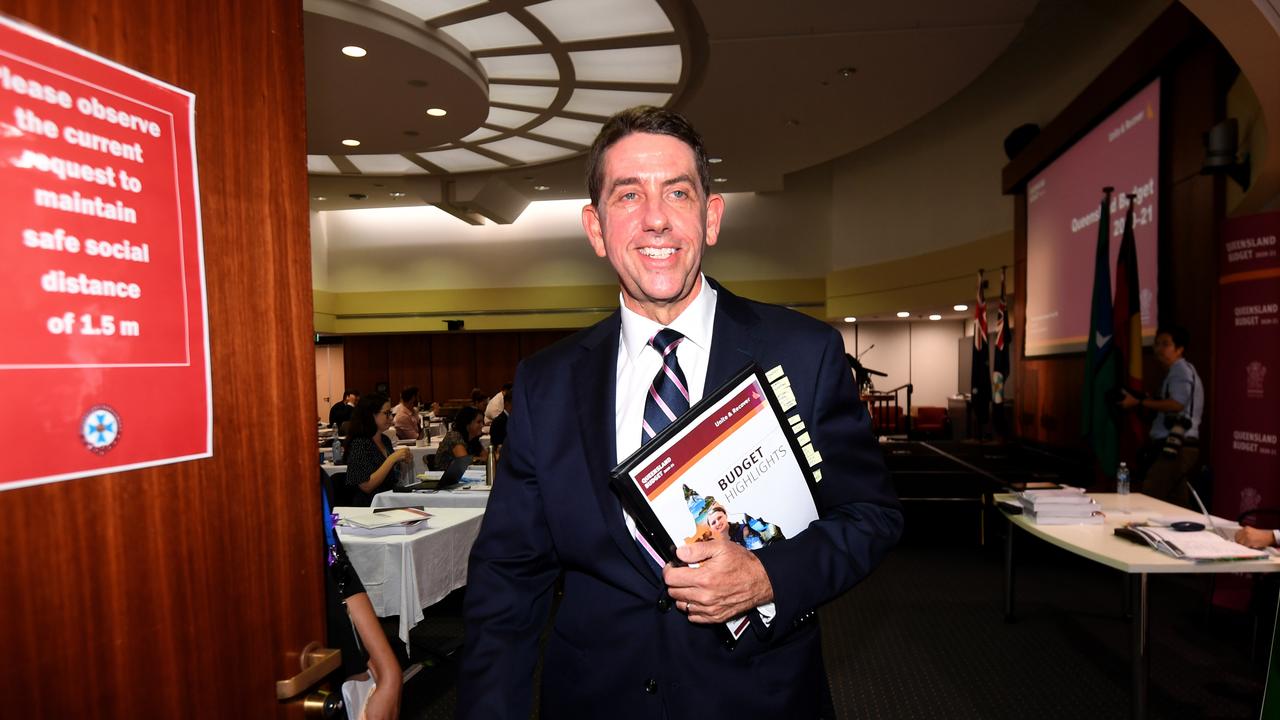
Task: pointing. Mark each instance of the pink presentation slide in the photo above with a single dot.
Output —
(1063, 209)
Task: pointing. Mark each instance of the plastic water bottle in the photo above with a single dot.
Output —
(1122, 480)
(337, 451)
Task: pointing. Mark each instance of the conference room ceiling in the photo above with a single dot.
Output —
(774, 87)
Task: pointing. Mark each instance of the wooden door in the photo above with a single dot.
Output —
(188, 590)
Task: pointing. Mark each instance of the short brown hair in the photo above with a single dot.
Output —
(644, 119)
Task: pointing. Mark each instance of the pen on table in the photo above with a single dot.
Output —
(423, 508)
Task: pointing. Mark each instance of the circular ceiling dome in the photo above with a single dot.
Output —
(519, 85)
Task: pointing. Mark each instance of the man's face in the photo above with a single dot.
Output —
(1165, 352)
(352, 398)
(653, 222)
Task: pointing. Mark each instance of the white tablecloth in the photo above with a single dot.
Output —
(405, 573)
(473, 496)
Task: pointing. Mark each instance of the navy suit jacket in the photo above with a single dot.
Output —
(618, 647)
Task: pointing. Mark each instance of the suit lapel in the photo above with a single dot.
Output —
(733, 342)
(596, 369)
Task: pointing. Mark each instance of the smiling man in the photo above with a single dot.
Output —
(633, 638)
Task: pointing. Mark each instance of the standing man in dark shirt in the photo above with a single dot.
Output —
(341, 411)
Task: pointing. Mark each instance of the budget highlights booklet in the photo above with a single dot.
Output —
(734, 466)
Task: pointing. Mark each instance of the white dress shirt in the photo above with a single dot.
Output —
(639, 363)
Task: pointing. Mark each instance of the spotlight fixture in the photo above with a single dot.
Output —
(720, 180)
(541, 188)
(398, 194)
(319, 197)
(961, 307)
(354, 51)
(437, 112)
(357, 196)
(847, 72)
(935, 316)
(904, 314)
(851, 319)
(349, 142)
(715, 160)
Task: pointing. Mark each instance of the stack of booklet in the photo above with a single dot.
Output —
(1060, 506)
(380, 522)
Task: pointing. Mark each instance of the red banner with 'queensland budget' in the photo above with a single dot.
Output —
(1246, 385)
(104, 359)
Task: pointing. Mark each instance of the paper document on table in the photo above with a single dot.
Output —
(1201, 545)
(371, 522)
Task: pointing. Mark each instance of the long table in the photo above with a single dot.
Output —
(464, 497)
(405, 573)
(1100, 544)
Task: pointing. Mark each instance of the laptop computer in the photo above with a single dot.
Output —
(1224, 533)
(452, 476)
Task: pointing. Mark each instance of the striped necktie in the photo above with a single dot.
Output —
(669, 393)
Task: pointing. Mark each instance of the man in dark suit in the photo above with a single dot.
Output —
(632, 639)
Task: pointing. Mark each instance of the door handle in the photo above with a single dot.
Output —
(316, 662)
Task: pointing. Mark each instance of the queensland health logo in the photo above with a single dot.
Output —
(100, 429)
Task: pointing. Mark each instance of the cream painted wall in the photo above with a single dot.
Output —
(319, 253)
(936, 183)
(921, 353)
(763, 236)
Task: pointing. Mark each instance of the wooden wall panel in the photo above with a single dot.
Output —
(409, 363)
(173, 591)
(497, 355)
(365, 362)
(453, 365)
(442, 365)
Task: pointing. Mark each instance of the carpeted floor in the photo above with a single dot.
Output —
(925, 636)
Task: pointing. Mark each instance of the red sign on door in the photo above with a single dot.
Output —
(104, 337)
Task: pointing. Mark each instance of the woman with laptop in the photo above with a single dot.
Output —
(463, 439)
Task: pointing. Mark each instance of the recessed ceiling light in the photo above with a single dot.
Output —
(851, 319)
(847, 72)
(319, 197)
(904, 314)
(960, 307)
(354, 51)
(935, 316)
(351, 143)
(357, 196)
(437, 112)
(398, 194)
(714, 160)
(541, 188)
(719, 180)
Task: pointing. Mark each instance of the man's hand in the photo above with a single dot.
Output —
(1127, 400)
(727, 582)
(1255, 538)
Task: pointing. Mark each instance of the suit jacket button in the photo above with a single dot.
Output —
(664, 604)
(651, 686)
